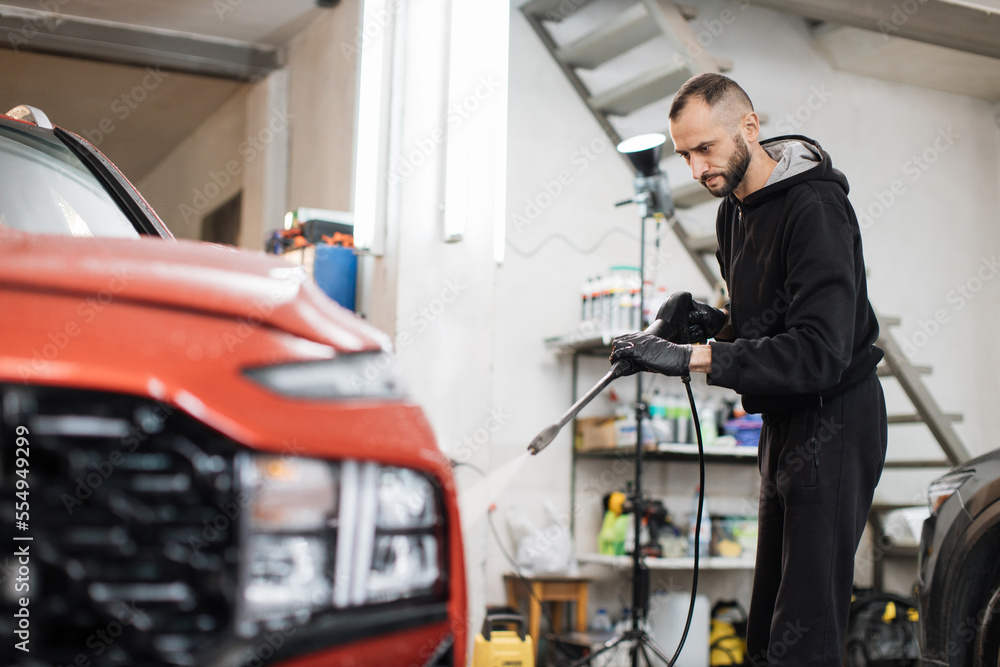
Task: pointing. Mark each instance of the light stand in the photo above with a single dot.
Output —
(652, 196)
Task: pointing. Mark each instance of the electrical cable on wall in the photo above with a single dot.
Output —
(565, 239)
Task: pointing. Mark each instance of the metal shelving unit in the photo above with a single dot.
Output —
(709, 563)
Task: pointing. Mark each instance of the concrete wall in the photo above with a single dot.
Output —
(321, 97)
(924, 248)
(194, 179)
(285, 141)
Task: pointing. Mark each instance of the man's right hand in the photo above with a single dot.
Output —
(705, 322)
(689, 321)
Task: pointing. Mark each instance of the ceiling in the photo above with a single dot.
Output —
(908, 61)
(87, 98)
(270, 22)
(86, 66)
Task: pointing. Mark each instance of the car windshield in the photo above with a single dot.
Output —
(46, 189)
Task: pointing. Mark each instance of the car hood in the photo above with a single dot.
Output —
(188, 275)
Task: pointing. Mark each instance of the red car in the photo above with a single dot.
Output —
(205, 460)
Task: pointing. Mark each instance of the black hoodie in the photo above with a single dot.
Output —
(791, 256)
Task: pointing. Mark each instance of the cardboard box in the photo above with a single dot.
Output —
(595, 433)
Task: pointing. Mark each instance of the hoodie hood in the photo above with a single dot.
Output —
(800, 159)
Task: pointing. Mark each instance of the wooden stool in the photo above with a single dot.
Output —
(554, 589)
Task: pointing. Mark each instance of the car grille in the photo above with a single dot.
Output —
(132, 520)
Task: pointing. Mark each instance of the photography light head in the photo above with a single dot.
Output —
(652, 192)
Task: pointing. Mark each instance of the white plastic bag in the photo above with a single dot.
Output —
(542, 550)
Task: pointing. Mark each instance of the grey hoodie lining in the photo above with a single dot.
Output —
(793, 157)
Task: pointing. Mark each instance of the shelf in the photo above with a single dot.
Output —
(584, 340)
(678, 452)
(710, 563)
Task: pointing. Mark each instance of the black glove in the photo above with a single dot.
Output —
(685, 320)
(705, 322)
(646, 352)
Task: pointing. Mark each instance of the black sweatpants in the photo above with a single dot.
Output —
(819, 468)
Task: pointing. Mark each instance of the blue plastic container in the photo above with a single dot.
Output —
(336, 272)
(746, 430)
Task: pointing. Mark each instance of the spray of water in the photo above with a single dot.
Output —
(476, 500)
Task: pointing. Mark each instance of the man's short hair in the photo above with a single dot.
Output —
(715, 90)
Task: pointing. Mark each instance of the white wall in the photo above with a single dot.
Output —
(933, 236)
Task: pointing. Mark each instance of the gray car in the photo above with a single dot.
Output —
(959, 580)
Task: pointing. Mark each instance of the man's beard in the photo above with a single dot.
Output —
(732, 175)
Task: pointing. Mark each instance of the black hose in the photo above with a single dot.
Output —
(697, 533)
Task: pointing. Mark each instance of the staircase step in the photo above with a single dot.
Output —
(554, 10)
(705, 244)
(920, 463)
(626, 31)
(885, 371)
(915, 418)
(690, 193)
(648, 87)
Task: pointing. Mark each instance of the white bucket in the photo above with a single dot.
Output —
(667, 613)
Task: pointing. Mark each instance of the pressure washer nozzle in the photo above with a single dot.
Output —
(543, 439)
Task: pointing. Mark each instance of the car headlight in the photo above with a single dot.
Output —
(944, 488)
(353, 375)
(323, 536)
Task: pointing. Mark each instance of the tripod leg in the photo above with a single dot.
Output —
(649, 643)
(613, 643)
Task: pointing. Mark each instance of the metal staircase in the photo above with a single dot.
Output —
(648, 20)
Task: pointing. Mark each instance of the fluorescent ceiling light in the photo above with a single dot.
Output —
(371, 150)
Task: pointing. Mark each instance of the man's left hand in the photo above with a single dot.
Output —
(646, 352)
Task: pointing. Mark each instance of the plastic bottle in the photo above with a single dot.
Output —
(625, 432)
(708, 419)
(604, 304)
(658, 416)
(685, 422)
(602, 621)
(634, 289)
(705, 536)
(649, 305)
(623, 304)
(616, 286)
(625, 622)
(585, 303)
(595, 294)
(671, 411)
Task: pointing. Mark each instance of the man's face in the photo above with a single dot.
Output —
(718, 160)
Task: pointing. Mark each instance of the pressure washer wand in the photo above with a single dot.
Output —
(543, 439)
